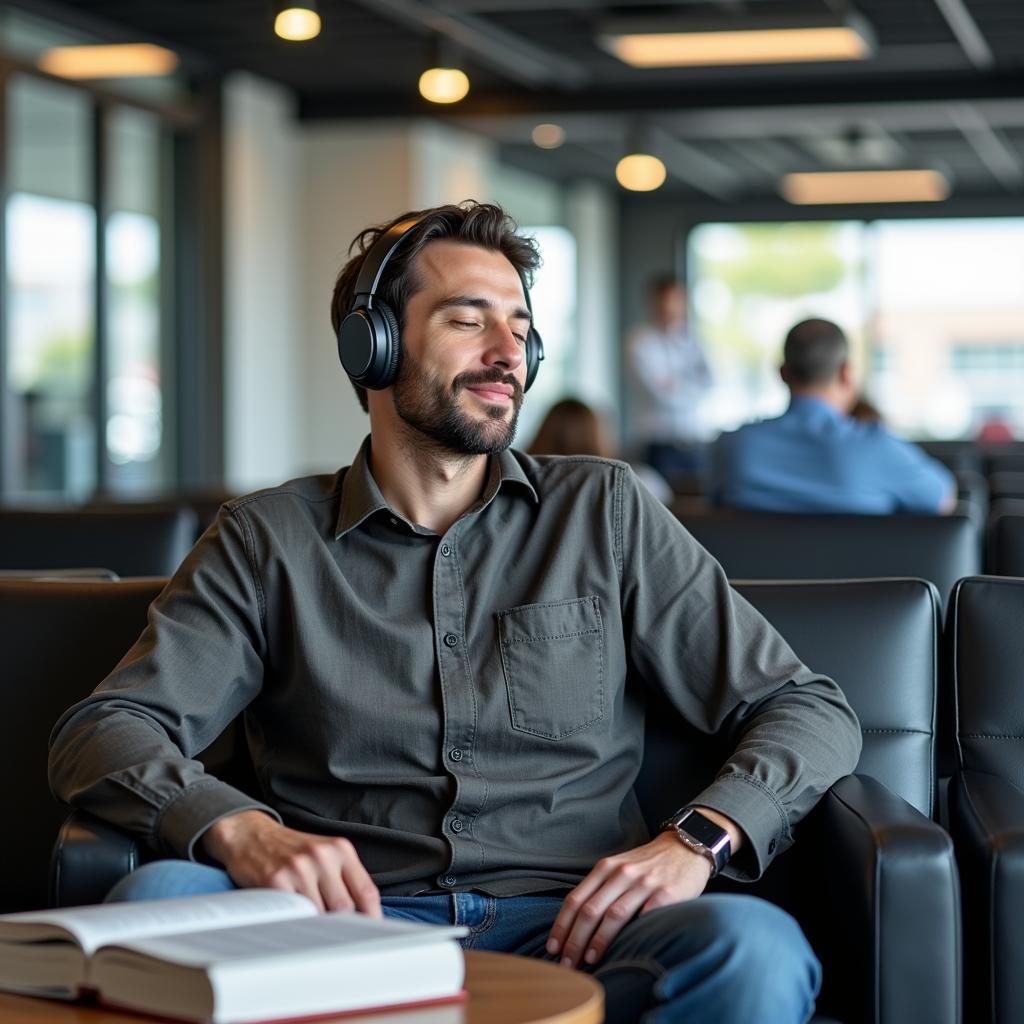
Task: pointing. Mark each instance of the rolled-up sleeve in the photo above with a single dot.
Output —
(728, 672)
(127, 752)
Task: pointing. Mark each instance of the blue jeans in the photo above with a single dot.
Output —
(719, 959)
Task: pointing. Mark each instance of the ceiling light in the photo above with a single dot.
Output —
(910, 186)
(548, 136)
(444, 85)
(297, 22)
(744, 41)
(126, 60)
(640, 172)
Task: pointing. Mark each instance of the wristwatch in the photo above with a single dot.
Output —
(702, 836)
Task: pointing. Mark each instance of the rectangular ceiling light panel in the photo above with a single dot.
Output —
(744, 41)
(127, 60)
(909, 186)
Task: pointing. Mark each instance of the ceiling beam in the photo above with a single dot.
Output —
(695, 95)
(693, 166)
(967, 33)
(992, 149)
(513, 56)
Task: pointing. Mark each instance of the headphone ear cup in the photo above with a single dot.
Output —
(392, 348)
(534, 354)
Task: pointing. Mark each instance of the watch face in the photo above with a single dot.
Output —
(702, 829)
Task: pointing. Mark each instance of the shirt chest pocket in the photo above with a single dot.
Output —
(553, 659)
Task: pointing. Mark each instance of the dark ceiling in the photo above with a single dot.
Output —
(944, 88)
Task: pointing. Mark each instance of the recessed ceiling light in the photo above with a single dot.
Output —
(297, 22)
(906, 186)
(640, 172)
(444, 85)
(124, 60)
(548, 136)
(663, 44)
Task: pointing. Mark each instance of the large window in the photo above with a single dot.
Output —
(51, 271)
(934, 310)
(88, 382)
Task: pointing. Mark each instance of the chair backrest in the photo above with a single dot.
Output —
(1006, 538)
(1006, 484)
(985, 620)
(877, 638)
(130, 542)
(59, 639)
(764, 546)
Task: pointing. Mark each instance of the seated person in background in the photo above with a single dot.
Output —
(572, 427)
(864, 412)
(815, 457)
(443, 652)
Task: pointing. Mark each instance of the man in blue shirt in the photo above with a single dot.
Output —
(815, 458)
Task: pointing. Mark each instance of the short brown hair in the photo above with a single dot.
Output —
(814, 352)
(484, 224)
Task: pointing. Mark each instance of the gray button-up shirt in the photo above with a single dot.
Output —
(468, 709)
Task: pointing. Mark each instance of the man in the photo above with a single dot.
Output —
(669, 377)
(818, 458)
(442, 653)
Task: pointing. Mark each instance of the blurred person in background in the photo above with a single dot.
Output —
(572, 427)
(816, 457)
(669, 377)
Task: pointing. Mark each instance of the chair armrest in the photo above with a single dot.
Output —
(987, 822)
(891, 945)
(88, 857)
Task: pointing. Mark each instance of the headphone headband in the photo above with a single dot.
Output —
(369, 345)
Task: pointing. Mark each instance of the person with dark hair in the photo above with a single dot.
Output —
(818, 457)
(572, 427)
(442, 653)
(669, 377)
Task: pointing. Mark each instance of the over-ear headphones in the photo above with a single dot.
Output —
(369, 345)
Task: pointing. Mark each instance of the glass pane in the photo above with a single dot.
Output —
(51, 270)
(950, 323)
(134, 428)
(749, 284)
(553, 297)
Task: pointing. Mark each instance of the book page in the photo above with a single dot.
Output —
(333, 934)
(94, 926)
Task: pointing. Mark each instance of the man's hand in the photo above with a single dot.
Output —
(257, 851)
(618, 888)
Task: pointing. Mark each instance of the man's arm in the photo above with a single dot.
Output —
(919, 482)
(127, 752)
(728, 672)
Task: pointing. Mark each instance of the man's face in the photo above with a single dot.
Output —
(670, 305)
(463, 349)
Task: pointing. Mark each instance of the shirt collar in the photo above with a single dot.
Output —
(811, 407)
(361, 497)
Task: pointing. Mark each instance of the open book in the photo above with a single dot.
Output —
(247, 955)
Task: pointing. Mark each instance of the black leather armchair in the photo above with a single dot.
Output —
(871, 878)
(129, 541)
(987, 795)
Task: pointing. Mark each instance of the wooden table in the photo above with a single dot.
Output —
(502, 990)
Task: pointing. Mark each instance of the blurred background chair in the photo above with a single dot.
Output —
(128, 541)
(987, 795)
(872, 878)
(1005, 551)
(940, 549)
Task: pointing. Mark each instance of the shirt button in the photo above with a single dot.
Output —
(455, 754)
(451, 640)
(445, 550)
(457, 825)
(448, 881)
(771, 846)
(394, 521)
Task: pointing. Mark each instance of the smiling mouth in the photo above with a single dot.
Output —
(496, 395)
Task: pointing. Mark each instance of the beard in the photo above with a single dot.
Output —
(431, 407)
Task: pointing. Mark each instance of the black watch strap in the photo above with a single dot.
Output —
(701, 835)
